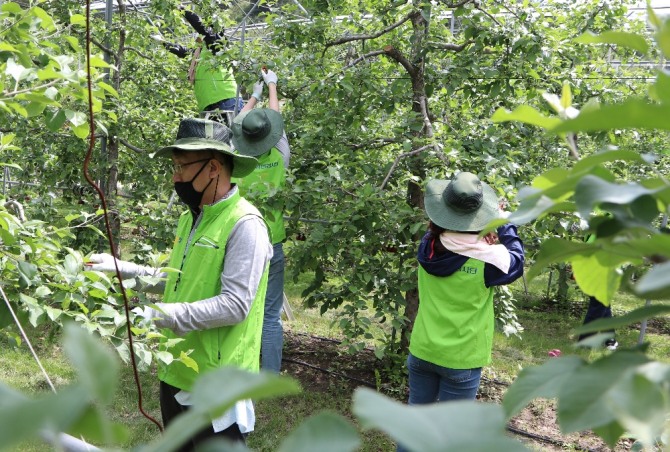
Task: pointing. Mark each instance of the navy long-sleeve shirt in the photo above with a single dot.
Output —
(214, 41)
(446, 264)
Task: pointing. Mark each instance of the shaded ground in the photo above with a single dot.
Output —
(320, 364)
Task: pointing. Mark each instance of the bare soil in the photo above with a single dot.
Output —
(321, 364)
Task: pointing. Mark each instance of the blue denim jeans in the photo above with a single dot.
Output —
(429, 383)
(227, 104)
(273, 334)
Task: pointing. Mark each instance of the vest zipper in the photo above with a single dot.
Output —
(188, 245)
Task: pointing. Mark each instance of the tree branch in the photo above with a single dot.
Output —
(363, 58)
(457, 4)
(487, 13)
(137, 51)
(376, 143)
(400, 58)
(346, 39)
(130, 146)
(429, 130)
(395, 163)
(452, 47)
(102, 47)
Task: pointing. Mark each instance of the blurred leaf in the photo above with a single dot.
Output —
(641, 408)
(655, 283)
(596, 276)
(620, 38)
(527, 115)
(630, 114)
(96, 366)
(539, 382)
(623, 321)
(325, 432)
(216, 392)
(555, 250)
(453, 426)
(584, 403)
(22, 418)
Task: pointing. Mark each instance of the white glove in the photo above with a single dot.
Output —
(163, 319)
(105, 263)
(158, 38)
(269, 77)
(258, 90)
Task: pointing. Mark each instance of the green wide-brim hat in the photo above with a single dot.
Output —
(204, 135)
(463, 204)
(257, 131)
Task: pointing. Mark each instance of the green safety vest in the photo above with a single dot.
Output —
(201, 266)
(213, 81)
(454, 326)
(260, 187)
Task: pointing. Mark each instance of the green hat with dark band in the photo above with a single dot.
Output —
(201, 135)
(463, 204)
(257, 131)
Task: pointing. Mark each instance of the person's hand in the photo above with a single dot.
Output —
(491, 238)
(101, 262)
(104, 262)
(269, 77)
(258, 90)
(158, 38)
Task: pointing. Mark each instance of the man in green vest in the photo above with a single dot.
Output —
(260, 133)
(222, 249)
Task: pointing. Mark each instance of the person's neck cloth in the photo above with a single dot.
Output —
(471, 245)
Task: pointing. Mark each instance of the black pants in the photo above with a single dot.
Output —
(170, 409)
(596, 310)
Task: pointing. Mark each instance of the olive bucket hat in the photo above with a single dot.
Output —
(256, 131)
(463, 204)
(202, 134)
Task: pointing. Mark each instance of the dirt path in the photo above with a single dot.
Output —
(318, 362)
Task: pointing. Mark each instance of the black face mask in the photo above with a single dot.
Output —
(188, 194)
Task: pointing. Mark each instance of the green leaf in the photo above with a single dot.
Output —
(588, 162)
(660, 90)
(55, 120)
(610, 433)
(539, 381)
(630, 114)
(96, 366)
(592, 191)
(641, 408)
(597, 276)
(188, 361)
(655, 283)
(662, 37)
(566, 96)
(623, 321)
(78, 19)
(620, 38)
(555, 250)
(325, 432)
(98, 62)
(525, 114)
(584, 403)
(453, 426)
(22, 418)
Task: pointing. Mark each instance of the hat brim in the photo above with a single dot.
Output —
(254, 148)
(243, 165)
(448, 218)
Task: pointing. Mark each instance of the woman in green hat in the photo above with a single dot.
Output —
(453, 332)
